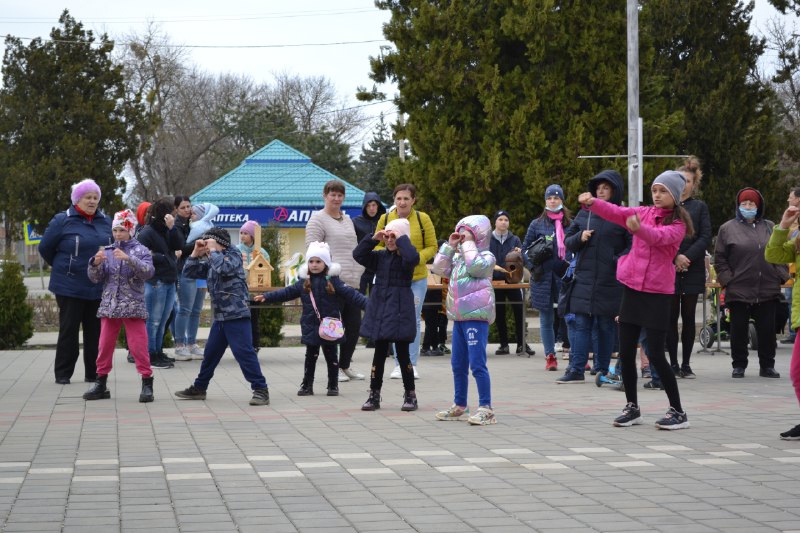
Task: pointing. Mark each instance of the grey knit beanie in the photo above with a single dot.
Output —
(674, 182)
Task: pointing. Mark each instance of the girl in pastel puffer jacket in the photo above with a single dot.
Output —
(466, 260)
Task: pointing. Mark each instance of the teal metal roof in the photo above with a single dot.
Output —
(275, 175)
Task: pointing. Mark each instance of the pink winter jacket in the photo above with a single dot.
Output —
(648, 267)
(470, 295)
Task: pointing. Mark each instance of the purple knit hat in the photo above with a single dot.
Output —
(249, 227)
(82, 188)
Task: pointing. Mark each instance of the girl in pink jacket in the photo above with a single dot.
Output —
(648, 276)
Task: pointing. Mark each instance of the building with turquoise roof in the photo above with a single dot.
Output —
(276, 184)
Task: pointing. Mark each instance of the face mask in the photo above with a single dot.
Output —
(748, 214)
(555, 210)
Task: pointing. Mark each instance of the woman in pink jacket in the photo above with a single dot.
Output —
(648, 276)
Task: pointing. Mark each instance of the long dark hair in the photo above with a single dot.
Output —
(678, 212)
(328, 286)
(161, 208)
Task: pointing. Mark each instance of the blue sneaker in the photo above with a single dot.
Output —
(571, 377)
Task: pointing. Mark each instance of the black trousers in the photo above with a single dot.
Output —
(72, 314)
(379, 364)
(255, 313)
(312, 354)
(764, 316)
(514, 296)
(683, 306)
(351, 320)
(435, 326)
(628, 342)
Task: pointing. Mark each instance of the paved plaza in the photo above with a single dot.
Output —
(553, 462)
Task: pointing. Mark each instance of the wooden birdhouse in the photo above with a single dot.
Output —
(259, 271)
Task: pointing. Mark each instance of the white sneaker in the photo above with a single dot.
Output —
(342, 376)
(196, 351)
(395, 373)
(182, 354)
(352, 373)
(416, 374)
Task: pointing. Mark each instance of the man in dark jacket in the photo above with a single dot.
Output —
(371, 210)
(752, 286)
(596, 293)
(501, 244)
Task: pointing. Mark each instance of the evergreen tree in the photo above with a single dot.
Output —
(373, 162)
(16, 315)
(708, 60)
(64, 118)
(502, 97)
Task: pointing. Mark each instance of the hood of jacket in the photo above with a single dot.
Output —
(211, 212)
(372, 197)
(759, 209)
(334, 270)
(481, 229)
(614, 179)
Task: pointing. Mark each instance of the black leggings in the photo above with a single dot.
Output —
(684, 305)
(379, 363)
(628, 341)
(515, 297)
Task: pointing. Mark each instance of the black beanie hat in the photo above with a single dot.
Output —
(219, 235)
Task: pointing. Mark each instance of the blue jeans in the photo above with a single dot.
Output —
(580, 331)
(190, 304)
(236, 334)
(546, 321)
(159, 298)
(419, 288)
(469, 351)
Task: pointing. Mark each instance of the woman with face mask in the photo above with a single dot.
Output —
(752, 285)
(551, 224)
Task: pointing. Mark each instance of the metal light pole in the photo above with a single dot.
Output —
(634, 145)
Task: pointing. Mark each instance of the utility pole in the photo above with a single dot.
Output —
(635, 161)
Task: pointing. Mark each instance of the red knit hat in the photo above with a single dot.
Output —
(749, 194)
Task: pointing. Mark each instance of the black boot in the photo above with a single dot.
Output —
(98, 390)
(373, 402)
(147, 390)
(409, 401)
(333, 381)
(306, 389)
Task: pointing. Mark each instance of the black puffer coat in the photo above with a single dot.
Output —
(693, 281)
(327, 304)
(390, 312)
(501, 249)
(596, 290)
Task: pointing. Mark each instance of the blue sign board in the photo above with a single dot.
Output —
(284, 217)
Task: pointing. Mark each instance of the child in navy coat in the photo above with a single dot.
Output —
(390, 316)
(319, 278)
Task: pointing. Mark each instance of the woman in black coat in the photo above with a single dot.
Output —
(690, 277)
(596, 293)
(390, 316)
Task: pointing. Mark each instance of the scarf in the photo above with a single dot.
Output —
(556, 218)
(84, 214)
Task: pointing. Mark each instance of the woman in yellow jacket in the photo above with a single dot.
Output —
(423, 237)
(781, 250)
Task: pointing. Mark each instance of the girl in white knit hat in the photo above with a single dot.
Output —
(319, 288)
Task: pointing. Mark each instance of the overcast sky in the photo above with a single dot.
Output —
(299, 27)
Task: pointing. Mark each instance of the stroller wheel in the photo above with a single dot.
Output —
(753, 336)
(707, 337)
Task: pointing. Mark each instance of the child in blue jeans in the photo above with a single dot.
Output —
(466, 260)
(214, 259)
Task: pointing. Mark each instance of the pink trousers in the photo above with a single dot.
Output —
(135, 333)
(794, 369)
